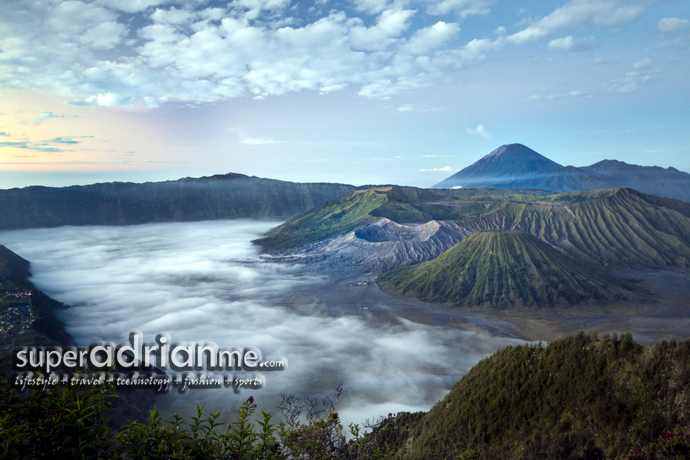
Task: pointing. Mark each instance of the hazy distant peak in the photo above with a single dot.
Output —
(512, 158)
(517, 167)
(520, 151)
(604, 165)
(616, 165)
(507, 161)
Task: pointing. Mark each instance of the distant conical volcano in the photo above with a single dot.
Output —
(503, 164)
(502, 270)
(516, 167)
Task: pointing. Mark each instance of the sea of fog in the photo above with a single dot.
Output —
(206, 281)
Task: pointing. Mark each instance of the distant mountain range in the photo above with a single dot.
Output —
(515, 166)
(226, 196)
(617, 227)
(506, 250)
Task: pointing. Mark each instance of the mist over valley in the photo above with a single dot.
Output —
(205, 281)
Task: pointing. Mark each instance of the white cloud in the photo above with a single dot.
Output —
(186, 51)
(550, 97)
(477, 49)
(632, 81)
(135, 6)
(390, 24)
(566, 44)
(562, 44)
(257, 141)
(443, 169)
(246, 139)
(673, 26)
(431, 37)
(43, 116)
(107, 100)
(371, 6)
(172, 16)
(105, 35)
(479, 131)
(599, 13)
(251, 9)
(463, 8)
(642, 64)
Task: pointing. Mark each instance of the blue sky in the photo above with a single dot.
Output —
(361, 91)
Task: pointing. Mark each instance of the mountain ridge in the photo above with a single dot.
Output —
(605, 174)
(616, 227)
(226, 196)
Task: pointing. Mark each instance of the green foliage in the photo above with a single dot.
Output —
(199, 438)
(579, 397)
(63, 422)
(321, 437)
(66, 422)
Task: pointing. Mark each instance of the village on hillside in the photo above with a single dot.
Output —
(16, 314)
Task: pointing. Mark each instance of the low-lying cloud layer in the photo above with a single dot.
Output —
(204, 281)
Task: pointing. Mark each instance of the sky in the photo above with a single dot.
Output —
(357, 91)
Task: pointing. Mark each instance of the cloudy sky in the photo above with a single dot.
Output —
(356, 91)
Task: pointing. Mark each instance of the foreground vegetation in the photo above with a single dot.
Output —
(577, 398)
(71, 423)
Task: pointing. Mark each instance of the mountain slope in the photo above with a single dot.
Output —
(217, 197)
(400, 204)
(46, 329)
(500, 270)
(577, 398)
(503, 164)
(13, 268)
(526, 171)
(384, 245)
(333, 218)
(619, 227)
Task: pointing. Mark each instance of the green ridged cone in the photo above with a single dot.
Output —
(502, 270)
